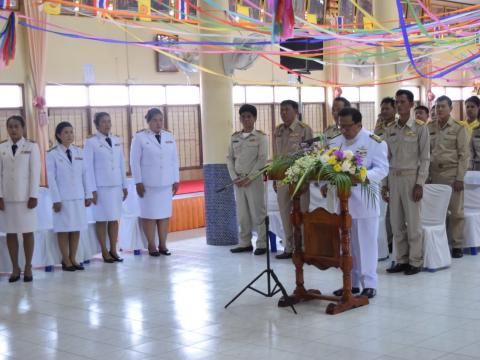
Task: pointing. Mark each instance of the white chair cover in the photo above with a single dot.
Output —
(434, 211)
(382, 233)
(472, 209)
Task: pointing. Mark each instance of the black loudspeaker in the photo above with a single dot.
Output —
(306, 46)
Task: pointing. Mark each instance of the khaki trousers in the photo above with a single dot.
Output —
(405, 220)
(251, 213)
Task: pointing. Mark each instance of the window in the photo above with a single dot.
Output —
(454, 93)
(438, 91)
(313, 94)
(368, 94)
(282, 93)
(183, 95)
(108, 95)
(66, 95)
(11, 96)
(238, 94)
(145, 95)
(467, 92)
(259, 94)
(351, 93)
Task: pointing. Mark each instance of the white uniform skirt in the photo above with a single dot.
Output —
(156, 202)
(17, 218)
(109, 203)
(72, 216)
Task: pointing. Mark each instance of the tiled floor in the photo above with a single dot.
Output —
(173, 308)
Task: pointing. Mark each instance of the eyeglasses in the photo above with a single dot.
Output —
(346, 126)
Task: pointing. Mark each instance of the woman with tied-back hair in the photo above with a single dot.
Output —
(67, 181)
(154, 164)
(19, 184)
(108, 181)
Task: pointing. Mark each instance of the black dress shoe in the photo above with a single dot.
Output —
(152, 253)
(284, 255)
(116, 257)
(27, 278)
(369, 292)
(457, 253)
(165, 252)
(259, 251)
(398, 268)
(412, 270)
(108, 260)
(67, 268)
(78, 267)
(339, 292)
(13, 278)
(241, 249)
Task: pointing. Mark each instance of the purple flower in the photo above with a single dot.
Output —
(338, 154)
(358, 160)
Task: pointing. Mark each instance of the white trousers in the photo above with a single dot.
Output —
(364, 251)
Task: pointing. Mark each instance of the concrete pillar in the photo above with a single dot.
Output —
(217, 127)
(384, 12)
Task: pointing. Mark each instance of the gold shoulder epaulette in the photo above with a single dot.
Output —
(377, 138)
(391, 124)
(261, 132)
(90, 136)
(419, 122)
(303, 125)
(1, 142)
(52, 148)
(236, 133)
(278, 126)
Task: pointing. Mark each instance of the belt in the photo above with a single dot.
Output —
(394, 172)
(444, 166)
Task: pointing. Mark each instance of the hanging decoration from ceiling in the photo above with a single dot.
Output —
(8, 41)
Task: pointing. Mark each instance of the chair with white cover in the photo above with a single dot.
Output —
(433, 214)
(382, 239)
(472, 210)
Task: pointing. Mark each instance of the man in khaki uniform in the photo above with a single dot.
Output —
(449, 162)
(475, 149)
(409, 154)
(247, 153)
(386, 117)
(333, 130)
(422, 113)
(287, 138)
(472, 107)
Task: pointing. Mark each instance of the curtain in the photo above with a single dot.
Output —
(36, 41)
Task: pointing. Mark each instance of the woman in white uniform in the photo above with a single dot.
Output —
(154, 164)
(108, 181)
(67, 180)
(20, 180)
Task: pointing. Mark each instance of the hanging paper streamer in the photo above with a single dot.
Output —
(8, 40)
(181, 10)
(145, 8)
(102, 4)
(283, 21)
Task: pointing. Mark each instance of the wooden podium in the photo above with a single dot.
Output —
(324, 235)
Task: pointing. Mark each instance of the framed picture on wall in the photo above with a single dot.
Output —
(10, 5)
(164, 63)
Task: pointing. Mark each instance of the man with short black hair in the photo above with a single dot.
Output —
(365, 215)
(247, 154)
(449, 162)
(421, 113)
(386, 117)
(472, 107)
(338, 104)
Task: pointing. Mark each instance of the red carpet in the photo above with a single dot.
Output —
(191, 186)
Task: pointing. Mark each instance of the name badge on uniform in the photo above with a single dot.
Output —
(432, 133)
(169, 142)
(393, 134)
(410, 133)
(78, 158)
(26, 152)
(235, 141)
(252, 140)
(362, 151)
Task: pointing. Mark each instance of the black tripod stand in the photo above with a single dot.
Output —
(270, 276)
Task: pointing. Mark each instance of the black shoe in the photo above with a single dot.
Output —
(339, 292)
(241, 249)
(165, 252)
(27, 278)
(457, 253)
(116, 257)
(412, 270)
(107, 260)
(284, 255)
(67, 268)
(78, 267)
(151, 253)
(369, 292)
(13, 278)
(259, 251)
(398, 268)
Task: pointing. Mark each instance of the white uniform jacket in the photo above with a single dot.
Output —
(105, 164)
(375, 159)
(67, 180)
(19, 174)
(153, 163)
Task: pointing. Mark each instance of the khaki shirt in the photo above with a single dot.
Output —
(409, 147)
(380, 128)
(475, 149)
(332, 132)
(449, 147)
(247, 155)
(288, 139)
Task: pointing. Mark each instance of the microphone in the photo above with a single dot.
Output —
(314, 140)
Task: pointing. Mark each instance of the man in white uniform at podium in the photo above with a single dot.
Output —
(365, 213)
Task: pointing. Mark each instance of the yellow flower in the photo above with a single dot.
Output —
(363, 173)
(332, 160)
(331, 150)
(337, 168)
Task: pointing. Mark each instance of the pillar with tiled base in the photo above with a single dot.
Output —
(217, 126)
